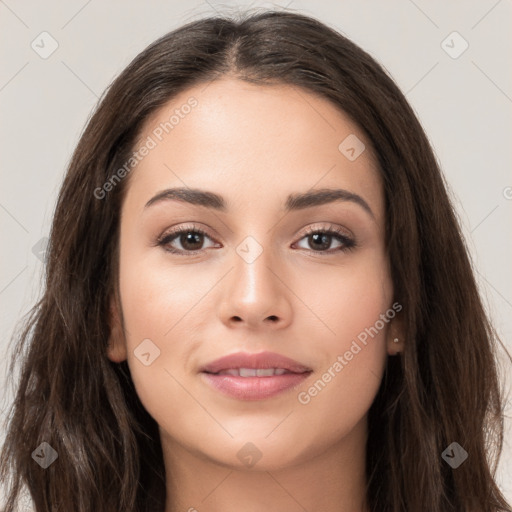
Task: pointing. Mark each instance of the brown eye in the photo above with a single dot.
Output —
(320, 241)
(189, 241)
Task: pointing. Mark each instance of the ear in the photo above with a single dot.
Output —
(116, 350)
(395, 339)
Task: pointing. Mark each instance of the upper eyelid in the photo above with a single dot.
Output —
(330, 227)
(180, 229)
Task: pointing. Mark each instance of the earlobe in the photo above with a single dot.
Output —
(396, 348)
(116, 349)
(395, 339)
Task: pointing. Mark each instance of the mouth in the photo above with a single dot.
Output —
(259, 376)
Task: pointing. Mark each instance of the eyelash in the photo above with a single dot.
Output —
(166, 238)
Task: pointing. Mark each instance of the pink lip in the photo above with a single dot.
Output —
(254, 388)
(263, 360)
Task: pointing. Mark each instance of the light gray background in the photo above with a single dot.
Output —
(464, 104)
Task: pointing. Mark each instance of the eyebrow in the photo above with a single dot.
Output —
(294, 202)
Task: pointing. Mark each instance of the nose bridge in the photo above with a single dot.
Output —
(255, 291)
(253, 276)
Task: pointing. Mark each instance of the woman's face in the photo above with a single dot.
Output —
(258, 279)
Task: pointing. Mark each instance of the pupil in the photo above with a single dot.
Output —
(191, 238)
(324, 240)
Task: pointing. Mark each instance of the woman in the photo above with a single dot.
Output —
(257, 295)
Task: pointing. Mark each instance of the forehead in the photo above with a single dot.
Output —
(251, 143)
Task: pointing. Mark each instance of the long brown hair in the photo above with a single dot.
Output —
(443, 388)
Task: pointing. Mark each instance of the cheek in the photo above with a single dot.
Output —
(156, 303)
(351, 328)
(156, 294)
(347, 300)
(159, 338)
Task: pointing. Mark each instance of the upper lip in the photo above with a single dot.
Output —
(261, 360)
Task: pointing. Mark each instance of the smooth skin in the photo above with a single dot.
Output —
(254, 145)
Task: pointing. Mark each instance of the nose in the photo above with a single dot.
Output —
(256, 293)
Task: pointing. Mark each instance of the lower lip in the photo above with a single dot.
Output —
(254, 388)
